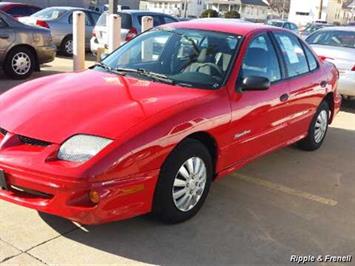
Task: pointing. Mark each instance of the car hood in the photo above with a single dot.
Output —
(90, 102)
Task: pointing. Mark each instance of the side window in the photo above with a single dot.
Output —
(261, 60)
(312, 62)
(2, 23)
(295, 58)
(95, 17)
(157, 20)
(87, 19)
(17, 11)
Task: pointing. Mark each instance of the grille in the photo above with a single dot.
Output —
(33, 142)
(3, 131)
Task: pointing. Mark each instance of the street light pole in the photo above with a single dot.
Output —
(283, 9)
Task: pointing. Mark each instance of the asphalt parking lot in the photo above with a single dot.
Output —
(290, 202)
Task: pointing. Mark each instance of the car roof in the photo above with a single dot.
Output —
(136, 11)
(221, 25)
(16, 4)
(69, 8)
(339, 28)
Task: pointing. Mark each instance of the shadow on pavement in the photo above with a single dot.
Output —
(243, 223)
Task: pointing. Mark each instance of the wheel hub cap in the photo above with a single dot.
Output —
(21, 63)
(189, 184)
(321, 126)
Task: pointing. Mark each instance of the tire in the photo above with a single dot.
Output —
(186, 204)
(317, 130)
(19, 63)
(66, 46)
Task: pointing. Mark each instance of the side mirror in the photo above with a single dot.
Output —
(255, 83)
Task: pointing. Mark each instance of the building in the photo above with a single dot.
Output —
(306, 11)
(254, 10)
(279, 8)
(349, 12)
(133, 4)
(193, 9)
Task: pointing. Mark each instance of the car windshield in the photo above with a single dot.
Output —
(333, 38)
(49, 13)
(192, 58)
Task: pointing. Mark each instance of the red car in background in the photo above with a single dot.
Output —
(18, 10)
(150, 127)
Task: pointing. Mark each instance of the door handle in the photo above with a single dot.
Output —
(323, 84)
(284, 97)
(4, 36)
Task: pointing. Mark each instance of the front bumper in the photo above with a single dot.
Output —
(69, 197)
(46, 54)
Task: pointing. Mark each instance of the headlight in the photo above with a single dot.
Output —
(81, 148)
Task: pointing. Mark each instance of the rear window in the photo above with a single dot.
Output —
(333, 38)
(275, 23)
(126, 20)
(50, 13)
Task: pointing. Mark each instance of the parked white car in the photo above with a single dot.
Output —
(337, 45)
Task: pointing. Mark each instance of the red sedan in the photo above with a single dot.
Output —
(18, 10)
(151, 126)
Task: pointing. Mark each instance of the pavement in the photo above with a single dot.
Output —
(287, 203)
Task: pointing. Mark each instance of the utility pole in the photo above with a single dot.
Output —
(185, 9)
(113, 6)
(320, 9)
(283, 9)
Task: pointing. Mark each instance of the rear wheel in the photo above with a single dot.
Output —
(317, 130)
(67, 46)
(184, 182)
(19, 63)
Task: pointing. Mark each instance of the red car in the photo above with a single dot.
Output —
(18, 10)
(151, 126)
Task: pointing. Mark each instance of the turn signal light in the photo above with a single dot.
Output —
(94, 196)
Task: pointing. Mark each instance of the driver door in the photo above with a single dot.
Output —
(257, 116)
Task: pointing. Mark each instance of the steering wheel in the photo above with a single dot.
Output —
(214, 66)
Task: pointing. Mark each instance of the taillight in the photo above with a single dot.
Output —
(42, 23)
(353, 69)
(131, 34)
(94, 33)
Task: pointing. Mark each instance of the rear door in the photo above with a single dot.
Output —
(306, 83)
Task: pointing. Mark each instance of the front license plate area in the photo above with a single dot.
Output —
(3, 182)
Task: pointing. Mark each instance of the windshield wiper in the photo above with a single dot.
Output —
(105, 67)
(145, 73)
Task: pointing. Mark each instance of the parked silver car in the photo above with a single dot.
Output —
(60, 22)
(23, 48)
(131, 21)
(337, 45)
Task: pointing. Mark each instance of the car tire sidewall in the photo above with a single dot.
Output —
(9, 71)
(164, 206)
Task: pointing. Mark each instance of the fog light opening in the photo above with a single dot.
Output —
(94, 196)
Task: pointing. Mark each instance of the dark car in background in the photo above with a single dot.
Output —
(18, 10)
(283, 24)
(23, 48)
(131, 26)
(60, 22)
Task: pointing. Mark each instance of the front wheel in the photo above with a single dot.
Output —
(67, 46)
(19, 63)
(317, 130)
(184, 182)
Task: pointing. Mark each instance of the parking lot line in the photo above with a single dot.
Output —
(285, 189)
